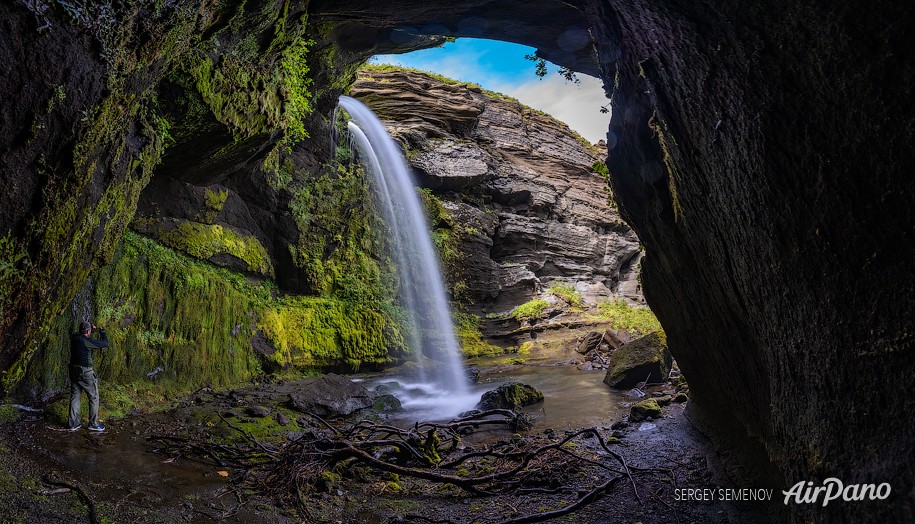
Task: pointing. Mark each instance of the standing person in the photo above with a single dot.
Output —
(82, 374)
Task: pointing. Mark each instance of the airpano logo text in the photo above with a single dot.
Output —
(834, 489)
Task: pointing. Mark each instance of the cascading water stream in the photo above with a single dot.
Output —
(421, 283)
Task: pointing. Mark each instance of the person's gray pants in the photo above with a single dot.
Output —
(83, 379)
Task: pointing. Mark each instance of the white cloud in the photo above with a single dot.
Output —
(576, 105)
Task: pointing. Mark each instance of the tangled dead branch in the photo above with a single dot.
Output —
(435, 452)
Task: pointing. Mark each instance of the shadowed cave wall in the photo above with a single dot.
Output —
(761, 152)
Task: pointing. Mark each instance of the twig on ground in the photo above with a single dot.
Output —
(93, 512)
(589, 497)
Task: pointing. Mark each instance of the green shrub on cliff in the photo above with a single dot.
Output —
(13, 259)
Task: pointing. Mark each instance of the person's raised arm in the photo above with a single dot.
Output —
(100, 342)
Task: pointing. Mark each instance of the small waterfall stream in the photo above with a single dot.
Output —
(444, 384)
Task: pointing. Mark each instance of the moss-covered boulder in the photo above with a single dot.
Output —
(645, 409)
(387, 404)
(510, 396)
(643, 360)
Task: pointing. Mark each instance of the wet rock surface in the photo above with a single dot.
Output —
(645, 359)
(331, 395)
(510, 396)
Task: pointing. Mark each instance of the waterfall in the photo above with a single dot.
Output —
(422, 289)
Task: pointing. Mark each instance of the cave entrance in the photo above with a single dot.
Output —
(509, 149)
(515, 71)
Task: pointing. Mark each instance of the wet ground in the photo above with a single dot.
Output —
(128, 483)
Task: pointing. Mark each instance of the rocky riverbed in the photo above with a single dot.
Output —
(143, 468)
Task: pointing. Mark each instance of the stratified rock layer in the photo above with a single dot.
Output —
(520, 182)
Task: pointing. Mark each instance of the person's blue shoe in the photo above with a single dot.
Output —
(97, 427)
(74, 428)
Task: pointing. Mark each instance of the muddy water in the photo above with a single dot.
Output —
(119, 459)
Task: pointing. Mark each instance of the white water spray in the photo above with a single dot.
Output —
(417, 263)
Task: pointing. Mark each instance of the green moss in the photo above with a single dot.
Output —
(119, 141)
(9, 414)
(340, 246)
(65, 232)
(530, 310)
(666, 142)
(321, 331)
(14, 262)
(429, 447)
(329, 481)
(207, 240)
(193, 322)
(294, 66)
(647, 408)
(264, 429)
(515, 395)
(636, 320)
(470, 338)
(215, 200)
(566, 292)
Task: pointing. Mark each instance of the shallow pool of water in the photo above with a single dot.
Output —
(572, 398)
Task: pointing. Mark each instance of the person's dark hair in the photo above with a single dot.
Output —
(84, 326)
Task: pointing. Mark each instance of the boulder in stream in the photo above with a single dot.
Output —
(387, 403)
(331, 394)
(645, 359)
(510, 396)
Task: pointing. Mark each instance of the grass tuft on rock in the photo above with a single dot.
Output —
(566, 292)
(636, 320)
(530, 310)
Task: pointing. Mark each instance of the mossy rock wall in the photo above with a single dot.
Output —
(176, 324)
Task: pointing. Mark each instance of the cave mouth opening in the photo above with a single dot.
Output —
(515, 71)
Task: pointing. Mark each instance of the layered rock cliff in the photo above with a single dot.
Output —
(526, 192)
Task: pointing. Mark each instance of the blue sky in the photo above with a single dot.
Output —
(501, 67)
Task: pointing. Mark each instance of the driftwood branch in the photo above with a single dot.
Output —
(426, 451)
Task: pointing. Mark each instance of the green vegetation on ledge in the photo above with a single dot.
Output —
(530, 310)
(566, 292)
(633, 319)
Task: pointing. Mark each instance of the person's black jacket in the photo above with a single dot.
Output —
(81, 346)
